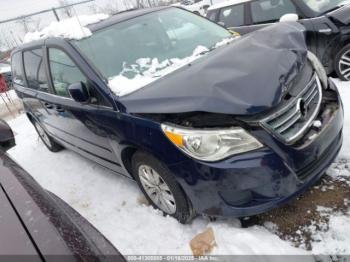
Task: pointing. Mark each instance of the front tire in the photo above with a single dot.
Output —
(342, 63)
(48, 141)
(161, 188)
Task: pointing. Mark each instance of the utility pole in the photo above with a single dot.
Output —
(55, 14)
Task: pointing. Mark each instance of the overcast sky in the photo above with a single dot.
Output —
(12, 33)
(13, 8)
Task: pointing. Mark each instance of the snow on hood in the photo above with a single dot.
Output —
(148, 70)
(248, 76)
(71, 28)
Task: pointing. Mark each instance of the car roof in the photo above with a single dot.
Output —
(227, 3)
(123, 16)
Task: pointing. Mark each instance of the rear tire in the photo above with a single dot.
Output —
(48, 141)
(160, 187)
(342, 63)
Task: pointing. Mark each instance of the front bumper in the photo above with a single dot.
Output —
(258, 181)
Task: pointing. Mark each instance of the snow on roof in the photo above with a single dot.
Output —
(71, 28)
(227, 3)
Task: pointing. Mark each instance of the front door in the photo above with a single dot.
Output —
(76, 124)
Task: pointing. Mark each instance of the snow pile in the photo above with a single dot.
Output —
(340, 169)
(11, 94)
(336, 240)
(71, 28)
(332, 238)
(148, 70)
(317, 124)
(226, 41)
(5, 69)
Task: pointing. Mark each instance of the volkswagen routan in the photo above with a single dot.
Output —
(204, 121)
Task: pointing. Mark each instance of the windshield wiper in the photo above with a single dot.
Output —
(217, 45)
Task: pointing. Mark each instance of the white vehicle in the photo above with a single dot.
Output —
(198, 6)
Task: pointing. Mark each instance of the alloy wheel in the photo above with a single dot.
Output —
(157, 190)
(344, 65)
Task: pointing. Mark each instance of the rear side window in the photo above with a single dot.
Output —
(211, 15)
(269, 11)
(232, 16)
(64, 72)
(35, 70)
(16, 65)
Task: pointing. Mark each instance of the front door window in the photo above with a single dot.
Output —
(270, 11)
(64, 72)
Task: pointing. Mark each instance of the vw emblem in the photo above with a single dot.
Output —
(302, 107)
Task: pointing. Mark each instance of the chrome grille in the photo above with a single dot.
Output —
(291, 122)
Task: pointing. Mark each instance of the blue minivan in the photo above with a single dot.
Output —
(205, 122)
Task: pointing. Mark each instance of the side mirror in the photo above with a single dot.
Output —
(79, 92)
(7, 139)
(289, 18)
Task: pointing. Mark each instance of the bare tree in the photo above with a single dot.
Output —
(111, 8)
(149, 3)
(2, 44)
(37, 24)
(24, 21)
(94, 8)
(65, 9)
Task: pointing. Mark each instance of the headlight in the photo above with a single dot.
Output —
(321, 72)
(211, 144)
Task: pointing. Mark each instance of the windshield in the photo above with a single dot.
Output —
(323, 6)
(150, 42)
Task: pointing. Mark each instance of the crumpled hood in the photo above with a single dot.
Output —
(248, 76)
(342, 14)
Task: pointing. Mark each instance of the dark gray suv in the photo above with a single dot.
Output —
(327, 24)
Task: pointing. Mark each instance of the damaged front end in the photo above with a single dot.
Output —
(269, 173)
(246, 77)
(254, 137)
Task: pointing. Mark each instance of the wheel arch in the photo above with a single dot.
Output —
(126, 158)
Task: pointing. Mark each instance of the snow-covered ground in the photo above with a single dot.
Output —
(8, 95)
(111, 204)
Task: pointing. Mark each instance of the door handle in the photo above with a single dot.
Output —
(59, 109)
(48, 105)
